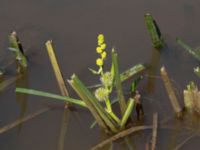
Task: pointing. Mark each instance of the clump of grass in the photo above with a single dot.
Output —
(98, 103)
(154, 31)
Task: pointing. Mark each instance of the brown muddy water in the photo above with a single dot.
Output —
(73, 25)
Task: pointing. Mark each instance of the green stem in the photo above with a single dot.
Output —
(50, 95)
(108, 105)
(117, 82)
(112, 114)
(127, 112)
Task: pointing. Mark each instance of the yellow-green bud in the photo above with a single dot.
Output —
(100, 37)
(103, 46)
(103, 55)
(99, 50)
(99, 62)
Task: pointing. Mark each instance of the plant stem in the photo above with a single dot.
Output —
(56, 69)
(193, 52)
(154, 31)
(127, 112)
(108, 105)
(50, 95)
(16, 47)
(118, 83)
(170, 90)
(112, 114)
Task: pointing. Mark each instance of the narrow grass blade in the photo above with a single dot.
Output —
(127, 113)
(56, 69)
(171, 93)
(118, 83)
(50, 95)
(89, 98)
(195, 53)
(119, 135)
(131, 72)
(154, 31)
(16, 47)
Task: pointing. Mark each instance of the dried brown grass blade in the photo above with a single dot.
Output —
(120, 135)
(171, 93)
(56, 68)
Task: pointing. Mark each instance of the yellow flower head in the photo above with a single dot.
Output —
(100, 42)
(103, 55)
(99, 62)
(103, 46)
(99, 50)
(100, 37)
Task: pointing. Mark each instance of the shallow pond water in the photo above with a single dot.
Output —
(73, 26)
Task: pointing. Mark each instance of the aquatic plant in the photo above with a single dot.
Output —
(171, 93)
(105, 117)
(17, 49)
(154, 31)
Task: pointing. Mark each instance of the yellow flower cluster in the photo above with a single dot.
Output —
(100, 50)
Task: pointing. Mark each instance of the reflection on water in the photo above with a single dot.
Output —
(63, 129)
(153, 66)
(22, 99)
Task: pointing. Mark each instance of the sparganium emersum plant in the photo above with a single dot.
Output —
(104, 115)
(103, 92)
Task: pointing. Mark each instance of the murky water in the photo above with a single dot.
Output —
(73, 26)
